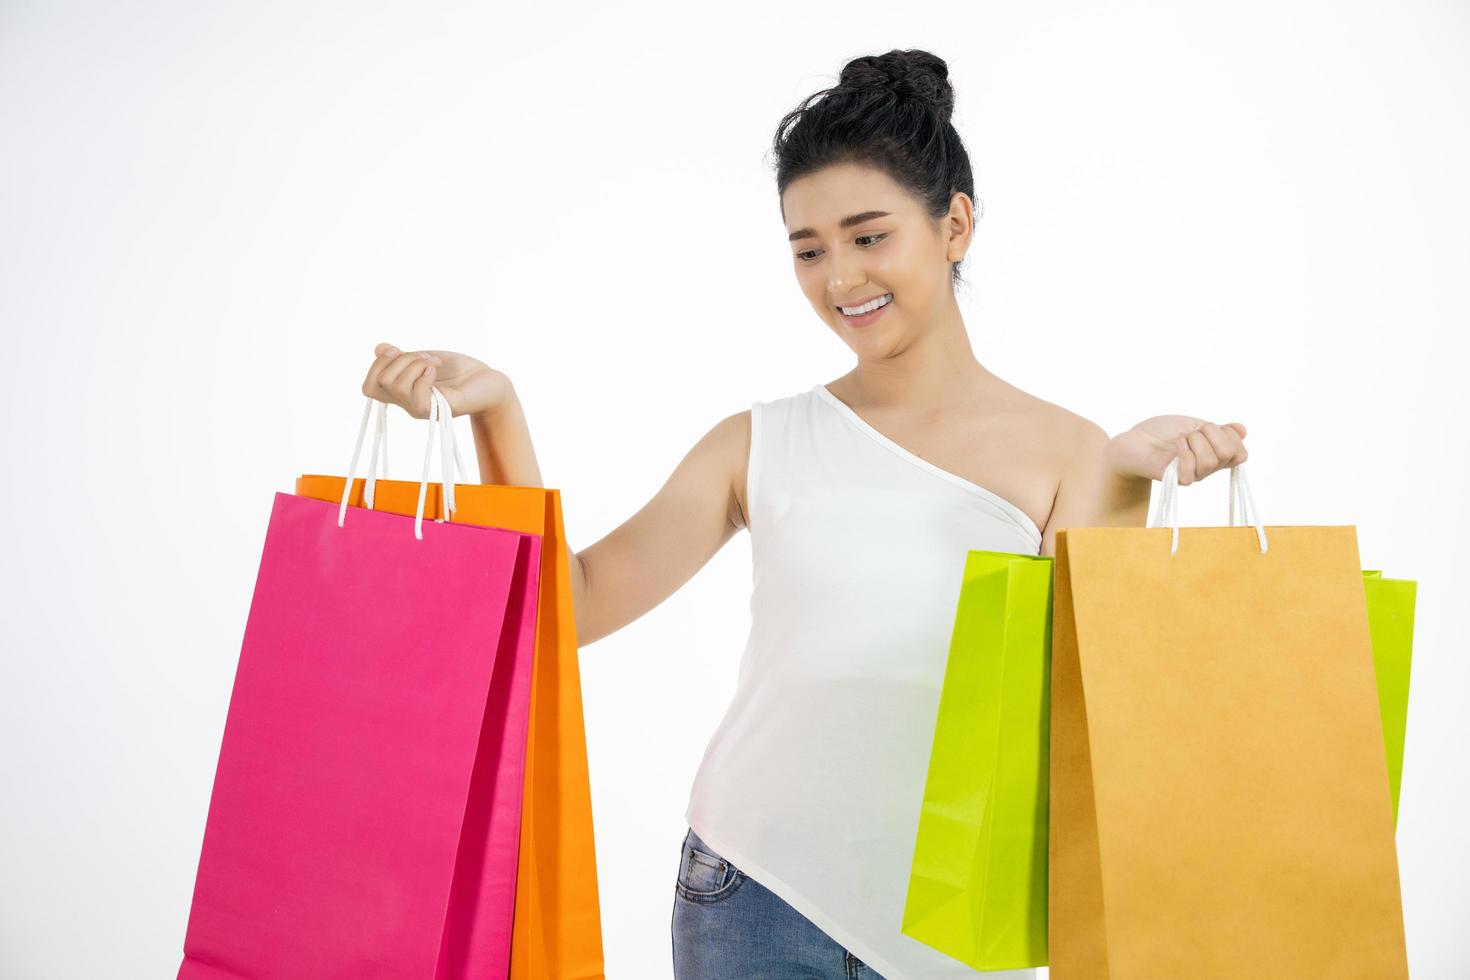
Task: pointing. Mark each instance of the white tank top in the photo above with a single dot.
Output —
(813, 782)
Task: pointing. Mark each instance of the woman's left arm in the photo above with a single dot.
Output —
(1106, 482)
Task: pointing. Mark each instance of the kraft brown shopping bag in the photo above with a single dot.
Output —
(1220, 805)
(558, 924)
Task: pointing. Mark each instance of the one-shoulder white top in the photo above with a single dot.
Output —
(813, 781)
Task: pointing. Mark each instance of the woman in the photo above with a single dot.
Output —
(862, 497)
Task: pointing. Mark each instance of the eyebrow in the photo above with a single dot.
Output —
(847, 222)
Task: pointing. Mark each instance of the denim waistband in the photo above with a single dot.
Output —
(695, 840)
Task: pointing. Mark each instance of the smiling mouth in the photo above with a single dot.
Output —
(860, 320)
(885, 297)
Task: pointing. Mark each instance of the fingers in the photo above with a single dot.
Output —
(1186, 461)
(1206, 461)
(419, 393)
(400, 368)
(1226, 443)
(385, 355)
(407, 387)
(1209, 448)
(403, 378)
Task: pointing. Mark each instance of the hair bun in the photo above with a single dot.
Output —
(907, 74)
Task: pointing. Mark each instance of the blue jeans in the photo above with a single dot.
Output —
(727, 926)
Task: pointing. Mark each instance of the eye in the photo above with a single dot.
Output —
(879, 236)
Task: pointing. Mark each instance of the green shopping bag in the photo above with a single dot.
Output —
(1391, 624)
(977, 887)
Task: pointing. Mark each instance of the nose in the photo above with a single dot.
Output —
(843, 277)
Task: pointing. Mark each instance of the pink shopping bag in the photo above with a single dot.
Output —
(365, 816)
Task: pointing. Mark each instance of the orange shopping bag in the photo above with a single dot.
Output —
(1220, 804)
(558, 922)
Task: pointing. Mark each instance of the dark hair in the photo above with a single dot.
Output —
(890, 111)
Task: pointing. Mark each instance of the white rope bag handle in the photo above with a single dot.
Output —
(441, 424)
(380, 441)
(441, 417)
(1241, 500)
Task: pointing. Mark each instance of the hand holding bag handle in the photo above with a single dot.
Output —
(441, 423)
(1241, 498)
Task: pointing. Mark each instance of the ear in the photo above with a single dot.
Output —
(960, 225)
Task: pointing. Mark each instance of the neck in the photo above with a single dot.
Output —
(936, 370)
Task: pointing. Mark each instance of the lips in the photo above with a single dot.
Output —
(863, 319)
(860, 302)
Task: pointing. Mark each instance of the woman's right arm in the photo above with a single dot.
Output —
(645, 559)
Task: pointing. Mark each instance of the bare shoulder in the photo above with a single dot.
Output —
(1062, 442)
(1078, 439)
(1065, 434)
(1057, 440)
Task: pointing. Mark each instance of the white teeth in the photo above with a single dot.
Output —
(867, 307)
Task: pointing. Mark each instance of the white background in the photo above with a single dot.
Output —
(209, 215)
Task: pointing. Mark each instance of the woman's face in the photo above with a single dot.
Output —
(856, 236)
